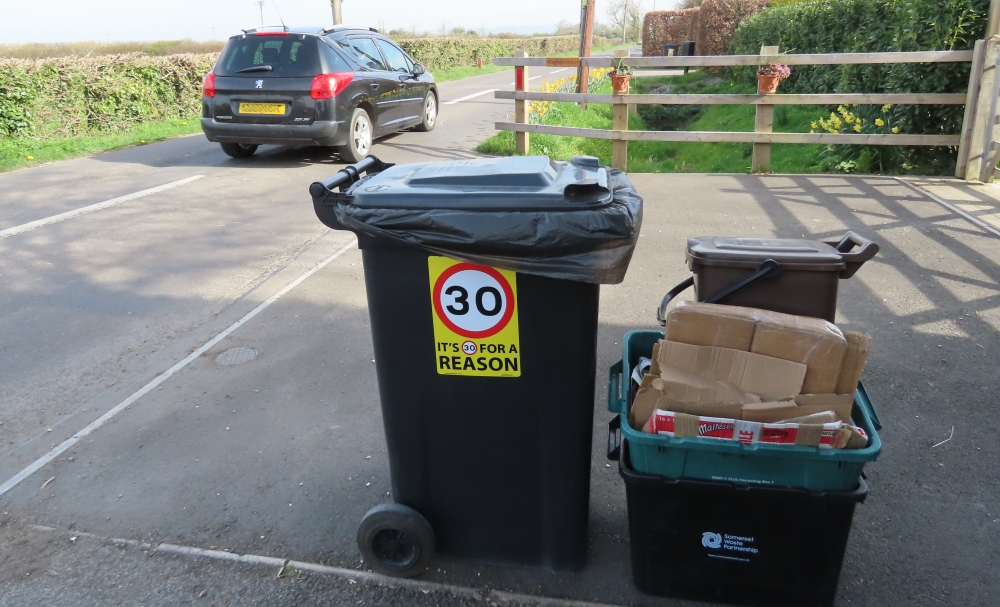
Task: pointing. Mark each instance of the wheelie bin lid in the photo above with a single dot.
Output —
(570, 220)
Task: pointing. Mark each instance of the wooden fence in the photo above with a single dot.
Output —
(762, 136)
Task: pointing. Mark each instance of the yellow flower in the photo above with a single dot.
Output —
(849, 119)
(142, 141)
(886, 107)
(811, 131)
(857, 128)
(183, 121)
(813, 124)
(879, 122)
(895, 129)
(31, 157)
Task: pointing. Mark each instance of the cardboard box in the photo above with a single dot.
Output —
(675, 387)
(841, 404)
(855, 357)
(834, 435)
(702, 324)
(771, 378)
(770, 412)
(817, 343)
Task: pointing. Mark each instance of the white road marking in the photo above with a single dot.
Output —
(100, 421)
(95, 207)
(353, 575)
(467, 97)
(560, 70)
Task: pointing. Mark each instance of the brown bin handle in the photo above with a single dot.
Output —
(854, 260)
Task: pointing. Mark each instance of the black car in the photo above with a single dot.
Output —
(341, 86)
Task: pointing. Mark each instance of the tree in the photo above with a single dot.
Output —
(626, 16)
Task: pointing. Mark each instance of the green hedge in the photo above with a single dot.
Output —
(79, 95)
(460, 51)
(846, 26)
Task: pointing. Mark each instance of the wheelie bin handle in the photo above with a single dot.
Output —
(854, 260)
(769, 268)
(614, 387)
(347, 176)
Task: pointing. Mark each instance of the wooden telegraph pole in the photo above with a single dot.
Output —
(993, 24)
(337, 17)
(586, 37)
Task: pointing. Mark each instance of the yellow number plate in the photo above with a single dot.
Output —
(262, 108)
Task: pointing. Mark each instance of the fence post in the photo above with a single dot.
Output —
(971, 101)
(980, 120)
(763, 121)
(522, 143)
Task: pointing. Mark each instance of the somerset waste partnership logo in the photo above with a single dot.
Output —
(711, 540)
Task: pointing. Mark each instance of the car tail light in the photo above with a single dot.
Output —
(208, 87)
(326, 86)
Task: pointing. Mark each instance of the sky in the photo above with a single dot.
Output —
(125, 20)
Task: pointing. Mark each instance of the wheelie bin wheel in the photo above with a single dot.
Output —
(396, 540)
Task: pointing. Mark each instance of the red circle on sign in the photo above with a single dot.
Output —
(497, 276)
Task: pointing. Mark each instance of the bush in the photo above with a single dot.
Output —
(448, 52)
(857, 26)
(79, 95)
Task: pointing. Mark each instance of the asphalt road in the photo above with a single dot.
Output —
(281, 456)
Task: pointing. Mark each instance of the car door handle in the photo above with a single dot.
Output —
(375, 85)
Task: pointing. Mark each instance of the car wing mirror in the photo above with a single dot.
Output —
(418, 69)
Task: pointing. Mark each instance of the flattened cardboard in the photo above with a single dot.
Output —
(818, 344)
(654, 367)
(771, 378)
(769, 413)
(855, 357)
(823, 417)
(726, 410)
(702, 324)
(841, 404)
(678, 390)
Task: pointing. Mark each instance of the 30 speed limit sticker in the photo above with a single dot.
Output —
(475, 319)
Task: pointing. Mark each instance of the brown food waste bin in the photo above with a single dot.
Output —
(785, 275)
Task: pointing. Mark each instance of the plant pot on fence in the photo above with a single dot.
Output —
(767, 85)
(619, 84)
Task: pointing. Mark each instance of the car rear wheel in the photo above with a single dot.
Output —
(239, 150)
(430, 113)
(359, 137)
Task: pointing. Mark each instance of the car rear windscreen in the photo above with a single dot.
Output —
(291, 56)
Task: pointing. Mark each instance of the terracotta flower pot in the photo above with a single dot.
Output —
(619, 84)
(767, 85)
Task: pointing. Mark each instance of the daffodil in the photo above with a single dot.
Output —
(813, 125)
(30, 157)
(895, 129)
(886, 107)
(879, 122)
(857, 128)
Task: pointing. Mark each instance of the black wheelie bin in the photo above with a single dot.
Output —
(483, 278)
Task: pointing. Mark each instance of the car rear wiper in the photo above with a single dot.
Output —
(256, 68)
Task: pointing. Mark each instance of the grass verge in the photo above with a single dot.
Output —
(18, 153)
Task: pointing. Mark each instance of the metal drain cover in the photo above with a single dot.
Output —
(236, 356)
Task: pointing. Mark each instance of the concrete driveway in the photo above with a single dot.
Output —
(278, 458)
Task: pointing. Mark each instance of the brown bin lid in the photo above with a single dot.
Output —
(792, 253)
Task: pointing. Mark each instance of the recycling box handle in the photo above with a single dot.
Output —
(861, 396)
(614, 438)
(769, 268)
(614, 387)
(347, 176)
(854, 260)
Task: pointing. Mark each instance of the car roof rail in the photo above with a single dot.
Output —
(341, 27)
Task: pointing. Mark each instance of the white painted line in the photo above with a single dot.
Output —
(533, 77)
(352, 575)
(100, 421)
(467, 97)
(948, 205)
(95, 207)
(559, 70)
